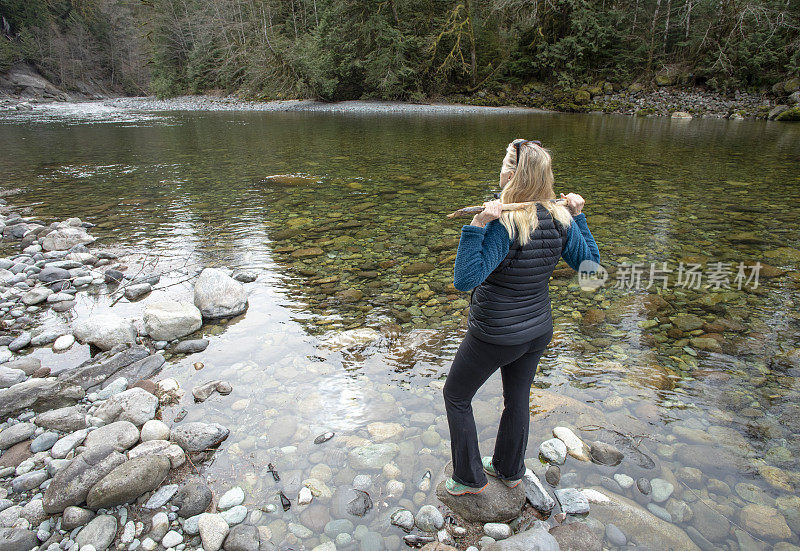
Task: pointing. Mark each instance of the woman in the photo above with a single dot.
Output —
(507, 258)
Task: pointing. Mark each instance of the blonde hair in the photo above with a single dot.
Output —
(532, 181)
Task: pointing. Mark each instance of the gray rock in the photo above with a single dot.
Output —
(68, 419)
(27, 364)
(197, 436)
(242, 537)
(46, 336)
(245, 277)
(15, 434)
(535, 491)
(218, 295)
(429, 519)
(113, 276)
(29, 481)
(99, 532)
(191, 346)
(372, 456)
(234, 515)
(142, 369)
(578, 536)
(128, 481)
(114, 387)
(139, 290)
(192, 499)
(36, 296)
(530, 540)
(22, 341)
(572, 501)
(644, 485)
(161, 496)
(33, 512)
(135, 405)
(13, 539)
(51, 274)
(63, 239)
(169, 450)
(75, 516)
(63, 446)
(231, 498)
(404, 519)
(497, 530)
(554, 451)
(169, 320)
(172, 539)
(103, 366)
(38, 393)
(105, 331)
(159, 526)
(120, 434)
(213, 530)
(616, 536)
(496, 503)
(10, 377)
(44, 441)
(661, 489)
(71, 485)
(605, 454)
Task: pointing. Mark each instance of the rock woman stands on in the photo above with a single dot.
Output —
(507, 258)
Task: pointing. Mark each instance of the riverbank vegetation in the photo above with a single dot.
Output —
(402, 49)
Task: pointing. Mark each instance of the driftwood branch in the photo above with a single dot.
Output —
(470, 211)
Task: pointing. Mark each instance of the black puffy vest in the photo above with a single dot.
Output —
(512, 306)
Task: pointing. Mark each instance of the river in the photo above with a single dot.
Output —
(702, 380)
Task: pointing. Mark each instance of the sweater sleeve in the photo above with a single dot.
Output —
(480, 251)
(580, 244)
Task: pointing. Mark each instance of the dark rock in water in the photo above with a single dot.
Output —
(324, 437)
(644, 485)
(416, 268)
(632, 450)
(139, 290)
(242, 537)
(128, 481)
(414, 540)
(113, 276)
(530, 540)
(496, 503)
(95, 371)
(71, 485)
(315, 517)
(245, 277)
(139, 370)
(203, 392)
(192, 499)
(553, 475)
(191, 346)
(577, 536)
(360, 504)
(13, 539)
(605, 454)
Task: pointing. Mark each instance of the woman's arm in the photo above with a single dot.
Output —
(482, 248)
(580, 244)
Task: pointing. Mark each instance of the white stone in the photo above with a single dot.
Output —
(575, 446)
(168, 320)
(231, 498)
(171, 539)
(154, 430)
(218, 295)
(63, 239)
(305, 496)
(64, 342)
(105, 331)
(213, 530)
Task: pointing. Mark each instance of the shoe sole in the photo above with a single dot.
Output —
(503, 481)
(467, 491)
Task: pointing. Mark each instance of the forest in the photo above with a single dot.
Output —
(399, 49)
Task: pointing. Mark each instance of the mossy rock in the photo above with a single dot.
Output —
(636, 87)
(665, 80)
(608, 88)
(791, 85)
(595, 90)
(791, 114)
(582, 97)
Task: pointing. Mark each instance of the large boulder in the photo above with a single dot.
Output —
(197, 436)
(14, 539)
(68, 419)
(496, 503)
(105, 331)
(38, 393)
(135, 405)
(63, 239)
(120, 434)
(642, 527)
(218, 295)
(71, 485)
(100, 368)
(169, 320)
(99, 533)
(128, 481)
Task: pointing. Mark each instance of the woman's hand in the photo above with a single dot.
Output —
(491, 211)
(574, 203)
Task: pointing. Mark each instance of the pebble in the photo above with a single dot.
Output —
(661, 489)
(429, 519)
(231, 498)
(161, 496)
(554, 451)
(497, 530)
(623, 480)
(235, 515)
(171, 539)
(64, 342)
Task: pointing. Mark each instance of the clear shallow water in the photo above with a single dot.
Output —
(331, 250)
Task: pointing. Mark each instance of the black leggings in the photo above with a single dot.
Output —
(474, 363)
